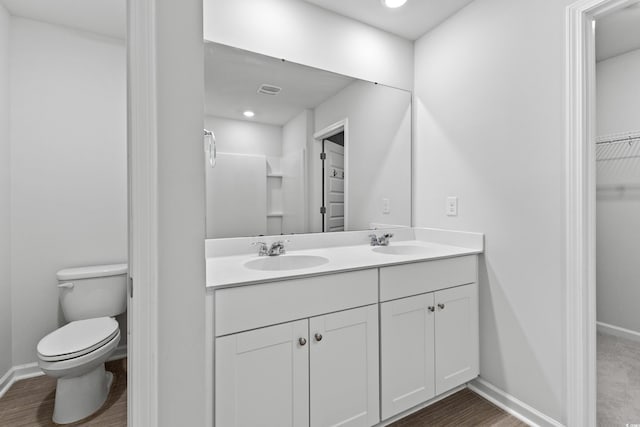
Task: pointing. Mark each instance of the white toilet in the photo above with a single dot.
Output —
(75, 353)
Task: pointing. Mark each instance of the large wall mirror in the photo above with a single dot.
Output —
(293, 149)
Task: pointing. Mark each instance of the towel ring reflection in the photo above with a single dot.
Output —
(210, 138)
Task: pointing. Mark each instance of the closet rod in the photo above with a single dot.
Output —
(629, 139)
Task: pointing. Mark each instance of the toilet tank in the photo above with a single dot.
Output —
(94, 291)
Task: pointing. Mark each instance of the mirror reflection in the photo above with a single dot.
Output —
(293, 149)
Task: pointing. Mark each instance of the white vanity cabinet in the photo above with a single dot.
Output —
(429, 341)
(321, 370)
(262, 377)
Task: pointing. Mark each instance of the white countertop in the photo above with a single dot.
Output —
(228, 271)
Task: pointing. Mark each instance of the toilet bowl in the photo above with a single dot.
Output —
(75, 353)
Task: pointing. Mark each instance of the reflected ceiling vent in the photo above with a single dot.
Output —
(266, 89)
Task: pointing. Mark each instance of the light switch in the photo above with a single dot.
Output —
(452, 206)
(386, 206)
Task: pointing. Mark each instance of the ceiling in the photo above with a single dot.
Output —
(410, 21)
(618, 33)
(105, 17)
(232, 78)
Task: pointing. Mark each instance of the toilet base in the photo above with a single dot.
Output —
(78, 397)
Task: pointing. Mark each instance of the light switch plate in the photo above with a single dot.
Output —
(386, 206)
(452, 206)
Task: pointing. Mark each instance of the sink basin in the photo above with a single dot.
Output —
(285, 262)
(401, 250)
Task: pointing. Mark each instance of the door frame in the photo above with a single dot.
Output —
(580, 189)
(332, 129)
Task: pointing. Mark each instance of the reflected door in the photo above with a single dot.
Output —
(333, 186)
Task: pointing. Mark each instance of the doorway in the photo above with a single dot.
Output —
(329, 183)
(581, 131)
(333, 166)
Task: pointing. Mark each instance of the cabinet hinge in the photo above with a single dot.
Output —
(323, 210)
(323, 156)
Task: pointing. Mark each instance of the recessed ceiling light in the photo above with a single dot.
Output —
(249, 113)
(392, 4)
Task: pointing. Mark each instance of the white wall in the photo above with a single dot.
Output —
(68, 166)
(5, 199)
(618, 213)
(306, 34)
(296, 135)
(618, 94)
(378, 159)
(489, 108)
(181, 210)
(245, 137)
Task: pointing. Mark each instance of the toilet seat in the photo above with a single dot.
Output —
(77, 339)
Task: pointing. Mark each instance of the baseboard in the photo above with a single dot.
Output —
(17, 373)
(31, 370)
(120, 353)
(617, 331)
(512, 405)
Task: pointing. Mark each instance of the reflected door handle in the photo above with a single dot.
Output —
(318, 337)
(431, 308)
(441, 306)
(302, 341)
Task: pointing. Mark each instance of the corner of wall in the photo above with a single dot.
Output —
(6, 339)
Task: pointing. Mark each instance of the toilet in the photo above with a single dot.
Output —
(75, 354)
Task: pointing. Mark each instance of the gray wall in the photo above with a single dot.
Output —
(489, 107)
(5, 199)
(68, 167)
(181, 209)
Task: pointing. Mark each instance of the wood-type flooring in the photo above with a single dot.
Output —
(29, 403)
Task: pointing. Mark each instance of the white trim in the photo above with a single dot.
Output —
(580, 208)
(31, 370)
(617, 331)
(143, 211)
(17, 373)
(511, 405)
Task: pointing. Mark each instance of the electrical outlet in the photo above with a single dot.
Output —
(386, 206)
(452, 206)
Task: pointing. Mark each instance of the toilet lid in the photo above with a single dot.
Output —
(77, 338)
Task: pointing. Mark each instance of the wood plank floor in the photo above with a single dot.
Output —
(29, 403)
(462, 409)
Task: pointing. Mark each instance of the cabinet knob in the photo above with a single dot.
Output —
(431, 308)
(302, 341)
(318, 337)
(441, 306)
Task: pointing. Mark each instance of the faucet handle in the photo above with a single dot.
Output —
(262, 248)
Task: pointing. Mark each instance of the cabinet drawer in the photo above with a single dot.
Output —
(412, 279)
(249, 307)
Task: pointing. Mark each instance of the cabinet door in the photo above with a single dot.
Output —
(407, 353)
(262, 377)
(344, 368)
(456, 336)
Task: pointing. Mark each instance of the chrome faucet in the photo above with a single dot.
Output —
(277, 248)
(380, 241)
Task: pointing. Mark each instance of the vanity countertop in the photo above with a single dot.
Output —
(229, 271)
